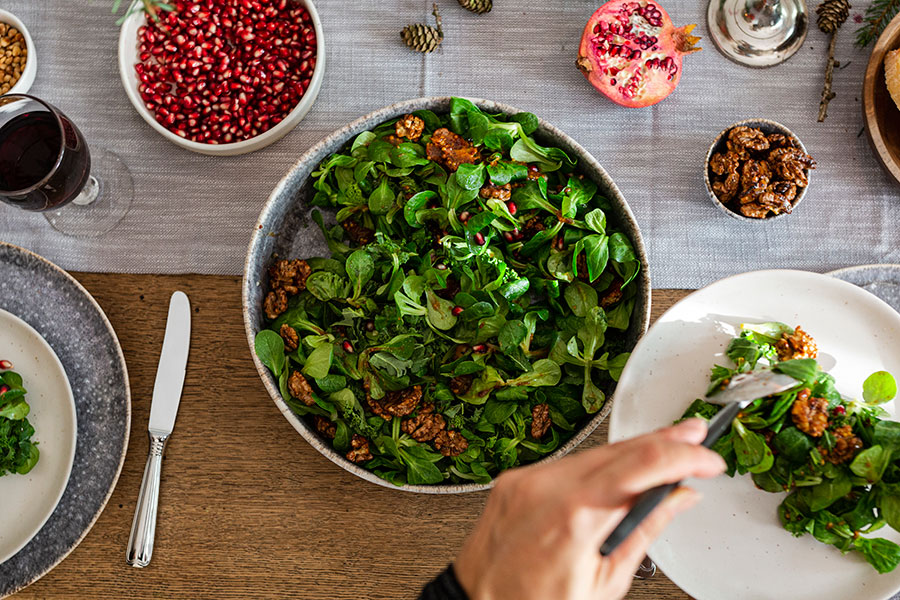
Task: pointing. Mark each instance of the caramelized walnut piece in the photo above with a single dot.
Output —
(724, 162)
(796, 345)
(460, 384)
(289, 275)
(612, 294)
(809, 414)
(777, 140)
(498, 192)
(755, 175)
(396, 404)
(357, 233)
(540, 420)
(791, 165)
(846, 445)
(531, 227)
(359, 452)
(290, 337)
(325, 427)
(425, 426)
(749, 138)
(300, 389)
(276, 303)
(726, 189)
(754, 210)
(450, 149)
(409, 126)
(451, 443)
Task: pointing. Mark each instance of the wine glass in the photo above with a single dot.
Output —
(757, 33)
(45, 166)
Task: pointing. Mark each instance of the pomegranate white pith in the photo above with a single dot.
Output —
(631, 52)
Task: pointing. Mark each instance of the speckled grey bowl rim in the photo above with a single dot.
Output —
(775, 126)
(121, 356)
(335, 141)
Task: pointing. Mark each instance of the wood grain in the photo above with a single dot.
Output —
(248, 508)
(880, 112)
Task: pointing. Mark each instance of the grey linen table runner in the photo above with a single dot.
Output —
(195, 213)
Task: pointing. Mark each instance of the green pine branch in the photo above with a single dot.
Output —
(152, 8)
(878, 15)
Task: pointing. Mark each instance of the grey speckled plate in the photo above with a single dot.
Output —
(286, 229)
(880, 280)
(65, 314)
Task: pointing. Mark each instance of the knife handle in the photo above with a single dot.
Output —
(649, 500)
(143, 528)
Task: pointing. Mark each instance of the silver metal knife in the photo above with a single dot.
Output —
(163, 410)
(741, 391)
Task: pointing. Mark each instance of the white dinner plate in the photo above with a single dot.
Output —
(27, 501)
(731, 545)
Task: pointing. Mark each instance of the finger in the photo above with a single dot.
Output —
(649, 464)
(580, 465)
(625, 559)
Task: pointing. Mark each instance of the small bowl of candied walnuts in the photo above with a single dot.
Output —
(757, 170)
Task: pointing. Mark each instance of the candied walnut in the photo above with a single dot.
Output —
(450, 149)
(534, 172)
(755, 175)
(739, 151)
(810, 415)
(396, 404)
(499, 192)
(796, 345)
(540, 420)
(754, 210)
(460, 384)
(459, 351)
(791, 165)
(325, 427)
(779, 197)
(751, 195)
(290, 275)
(724, 162)
(276, 303)
(359, 452)
(409, 126)
(777, 140)
(425, 426)
(748, 137)
(728, 188)
(531, 227)
(356, 232)
(450, 443)
(612, 294)
(300, 389)
(290, 337)
(846, 445)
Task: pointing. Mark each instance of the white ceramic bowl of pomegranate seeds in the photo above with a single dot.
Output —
(223, 77)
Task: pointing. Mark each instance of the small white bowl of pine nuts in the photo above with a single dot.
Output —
(18, 62)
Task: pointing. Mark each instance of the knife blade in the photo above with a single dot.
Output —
(163, 410)
(741, 391)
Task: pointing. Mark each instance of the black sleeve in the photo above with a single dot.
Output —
(444, 587)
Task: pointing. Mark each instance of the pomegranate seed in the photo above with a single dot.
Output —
(511, 206)
(3, 389)
(5, 364)
(370, 325)
(440, 267)
(456, 310)
(347, 346)
(479, 348)
(509, 236)
(479, 239)
(839, 410)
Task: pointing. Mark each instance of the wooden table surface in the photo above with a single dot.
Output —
(248, 509)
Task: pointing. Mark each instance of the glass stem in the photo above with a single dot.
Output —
(89, 194)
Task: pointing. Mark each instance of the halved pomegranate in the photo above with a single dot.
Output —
(631, 52)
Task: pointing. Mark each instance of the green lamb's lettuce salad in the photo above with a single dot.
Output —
(472, 312)
(18, 454)
(837, 459)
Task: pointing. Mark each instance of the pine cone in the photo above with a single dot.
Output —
(477, 6)
(832, 14)
(424, 38)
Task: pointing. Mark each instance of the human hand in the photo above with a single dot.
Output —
(540, 533)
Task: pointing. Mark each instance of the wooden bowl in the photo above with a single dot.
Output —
(881, 114)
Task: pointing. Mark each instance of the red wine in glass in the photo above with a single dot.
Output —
(45, 165)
